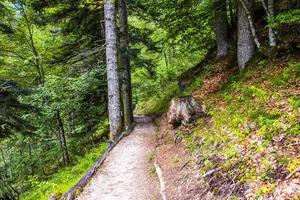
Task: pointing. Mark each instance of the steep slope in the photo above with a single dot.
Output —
(248, 145)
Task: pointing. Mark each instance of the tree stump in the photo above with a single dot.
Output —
(184, 109)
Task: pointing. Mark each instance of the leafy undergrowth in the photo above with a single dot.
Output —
(65, 178)
(248, 146)
(160, 103)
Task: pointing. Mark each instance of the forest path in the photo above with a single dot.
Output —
(125, 173)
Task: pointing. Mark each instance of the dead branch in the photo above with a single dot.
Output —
(210, 172)
(291, 174)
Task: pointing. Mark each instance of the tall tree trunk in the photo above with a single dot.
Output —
(272, 37)
(298, 4)
(125, 63)
(62, 139)
(114, 102)
(221, 28)
(246, 44)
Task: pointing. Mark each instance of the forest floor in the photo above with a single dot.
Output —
(180, 173)
(128, 172)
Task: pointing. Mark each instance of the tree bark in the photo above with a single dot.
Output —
(125, 63)
(221, 29)
(272, 37)
(246, 44)
(62, 139)
(114, 102)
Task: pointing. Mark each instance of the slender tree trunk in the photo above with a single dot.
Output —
(272, 37)
(221, 29)
(62, 139)
(298, 4)
(37, 58)
(72, 122)
(5, 164)
(269, 8)
(30, 155)
(12, 174)
(246, 44)
(166, 57)
(114, 102)
(125, 63)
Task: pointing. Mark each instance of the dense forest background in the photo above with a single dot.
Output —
(53, 85)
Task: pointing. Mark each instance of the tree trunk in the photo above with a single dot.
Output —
(5, 164)
(30, 156)
(166, 58)
(269, 8)
(62, 139)
(272, 37)
(221, 29)
(125, 63)
(298, 4)
(246, 46)
(114, 102)
(37, 58)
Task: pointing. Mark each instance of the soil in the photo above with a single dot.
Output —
(180, 171)
(128, 173)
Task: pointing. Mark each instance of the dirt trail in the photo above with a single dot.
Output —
(125, 174)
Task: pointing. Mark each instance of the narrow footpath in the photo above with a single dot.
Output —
(127, 173)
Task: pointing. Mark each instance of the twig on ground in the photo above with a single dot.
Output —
(291, 174)
(284, 137)
(185, 164)
(212, 172)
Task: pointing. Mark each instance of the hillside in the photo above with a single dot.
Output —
(247, 147)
